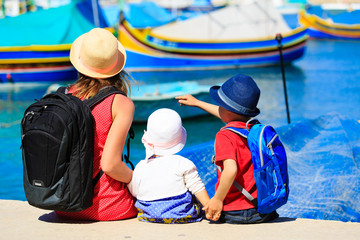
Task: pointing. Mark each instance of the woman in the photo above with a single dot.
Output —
(99, 58)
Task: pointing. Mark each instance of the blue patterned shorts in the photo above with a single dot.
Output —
(178, 209)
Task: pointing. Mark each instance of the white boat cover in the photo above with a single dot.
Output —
(170, 4)
(241, 21)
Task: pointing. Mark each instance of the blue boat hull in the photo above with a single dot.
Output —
(142, 62)
(38, 75)
(313, 33)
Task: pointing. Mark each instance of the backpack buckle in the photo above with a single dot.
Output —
(213, 159)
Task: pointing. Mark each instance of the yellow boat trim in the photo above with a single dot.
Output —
(227, 51)
(60, 47)
(311, 22)
(130, 44)
(313, 19)
(35, 60)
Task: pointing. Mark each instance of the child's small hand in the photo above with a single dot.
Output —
(213, 209)
(188, 100)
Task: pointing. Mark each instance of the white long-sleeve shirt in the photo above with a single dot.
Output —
(163, 177)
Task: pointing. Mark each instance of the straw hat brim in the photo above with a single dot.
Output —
(76, 62)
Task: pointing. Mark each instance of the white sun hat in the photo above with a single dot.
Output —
(165, 134)
(98, 54)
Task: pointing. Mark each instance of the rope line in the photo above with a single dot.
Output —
(7, 125)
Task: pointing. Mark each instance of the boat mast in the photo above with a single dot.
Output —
(94, 5)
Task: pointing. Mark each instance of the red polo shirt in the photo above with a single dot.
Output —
(229, 145)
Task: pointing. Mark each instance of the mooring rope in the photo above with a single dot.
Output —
(7, 125)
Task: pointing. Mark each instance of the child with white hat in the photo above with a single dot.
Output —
(165, 183)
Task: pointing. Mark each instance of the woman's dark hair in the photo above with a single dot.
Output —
(87, 87)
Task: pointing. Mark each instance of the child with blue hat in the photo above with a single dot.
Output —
(237, 99)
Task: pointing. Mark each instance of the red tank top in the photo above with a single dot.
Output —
(112, 199)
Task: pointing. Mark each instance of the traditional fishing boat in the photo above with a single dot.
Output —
(238, 35)
(331, 23)
(35, 46)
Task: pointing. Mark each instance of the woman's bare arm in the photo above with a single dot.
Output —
(111, 161)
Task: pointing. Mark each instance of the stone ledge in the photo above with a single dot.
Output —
(19, 220)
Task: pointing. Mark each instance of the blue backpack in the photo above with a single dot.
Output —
(270, 167)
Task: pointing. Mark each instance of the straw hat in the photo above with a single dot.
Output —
(165, 134)
(98, 54)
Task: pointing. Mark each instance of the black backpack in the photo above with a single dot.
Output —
(57, 135)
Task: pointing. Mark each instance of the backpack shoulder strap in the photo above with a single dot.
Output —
(62, 90)
(244, 132)
(240, 131)
(102, 94)
(243, 190)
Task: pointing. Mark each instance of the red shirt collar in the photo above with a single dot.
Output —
(237, 124)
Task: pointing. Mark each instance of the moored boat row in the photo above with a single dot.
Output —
(148, 49)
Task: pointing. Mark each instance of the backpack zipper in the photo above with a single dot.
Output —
(260, 145)
(42, 109)
(269, 145)
(45, 133)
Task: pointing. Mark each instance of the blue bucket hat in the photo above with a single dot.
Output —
(239, 94)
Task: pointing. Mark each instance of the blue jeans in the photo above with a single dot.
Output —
(246, 216)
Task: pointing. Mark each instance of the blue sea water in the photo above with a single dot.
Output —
(325, 80)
